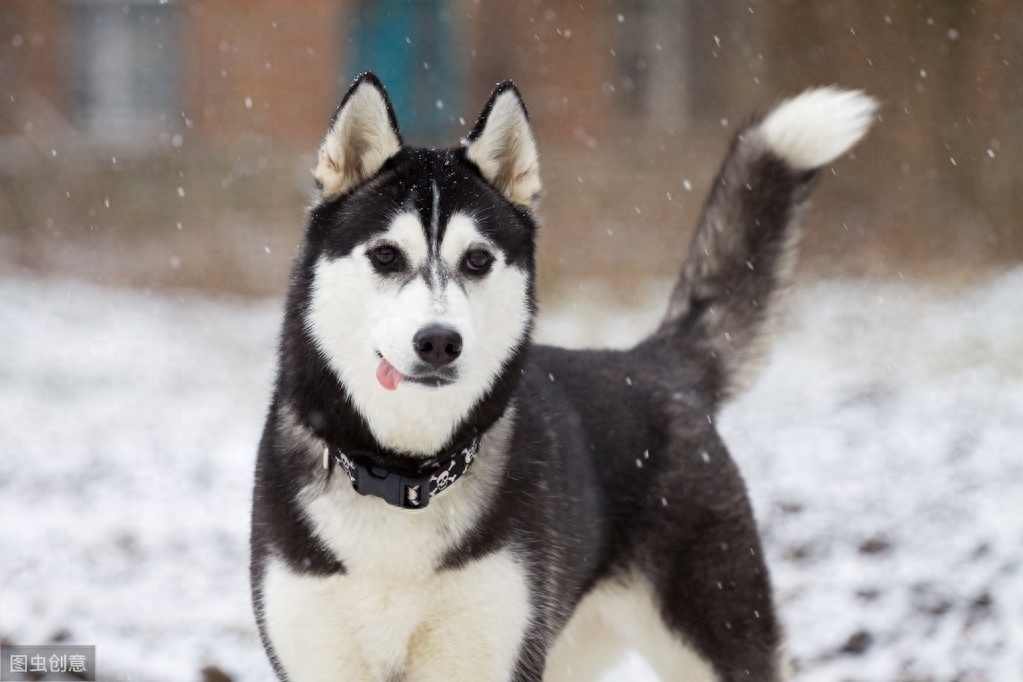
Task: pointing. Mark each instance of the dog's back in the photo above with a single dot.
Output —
(438, 499)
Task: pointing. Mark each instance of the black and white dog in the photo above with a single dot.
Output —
(438, 499)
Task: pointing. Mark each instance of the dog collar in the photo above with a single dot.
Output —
(401, 488)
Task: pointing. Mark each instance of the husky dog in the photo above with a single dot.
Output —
(438, 499)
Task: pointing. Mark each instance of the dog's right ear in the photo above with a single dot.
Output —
(363, 135)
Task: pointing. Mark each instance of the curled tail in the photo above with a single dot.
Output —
(744, 250)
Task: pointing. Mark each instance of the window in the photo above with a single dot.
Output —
(126, 66)
(414, 49)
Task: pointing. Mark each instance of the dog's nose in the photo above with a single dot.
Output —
(437, 345)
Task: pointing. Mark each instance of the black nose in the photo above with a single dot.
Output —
(437, 345)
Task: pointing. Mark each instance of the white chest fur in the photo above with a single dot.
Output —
(392, 615)
(464, 624)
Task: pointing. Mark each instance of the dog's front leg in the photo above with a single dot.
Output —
(480, 617)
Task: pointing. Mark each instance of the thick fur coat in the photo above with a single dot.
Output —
(597, 508)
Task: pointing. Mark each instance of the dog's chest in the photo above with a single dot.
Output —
(392, 614)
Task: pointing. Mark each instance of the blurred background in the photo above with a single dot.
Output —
(155, 163)
(168, 143)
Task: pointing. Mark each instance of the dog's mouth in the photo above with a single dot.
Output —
(389, 376)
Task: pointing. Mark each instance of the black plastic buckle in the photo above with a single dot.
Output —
(406, 492)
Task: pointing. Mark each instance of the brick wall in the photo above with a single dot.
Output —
(267, 67)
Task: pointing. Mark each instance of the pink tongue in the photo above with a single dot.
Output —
(388, 376)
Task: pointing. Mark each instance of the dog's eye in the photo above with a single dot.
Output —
(385, 258)
(477, 262)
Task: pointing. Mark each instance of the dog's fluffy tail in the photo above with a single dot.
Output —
(743, 253)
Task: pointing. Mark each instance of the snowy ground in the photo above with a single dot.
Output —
(883, 447)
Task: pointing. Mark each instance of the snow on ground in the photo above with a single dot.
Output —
(883, 448)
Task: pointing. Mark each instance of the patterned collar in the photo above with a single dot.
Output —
(407, 490)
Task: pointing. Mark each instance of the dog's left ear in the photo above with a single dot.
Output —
(502, 146)
(362, 136)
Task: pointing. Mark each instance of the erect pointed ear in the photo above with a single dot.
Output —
(502, 146)
(362, 136)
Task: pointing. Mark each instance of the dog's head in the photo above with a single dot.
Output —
(419, 264)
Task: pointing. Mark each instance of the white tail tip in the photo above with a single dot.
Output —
(818, 126)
